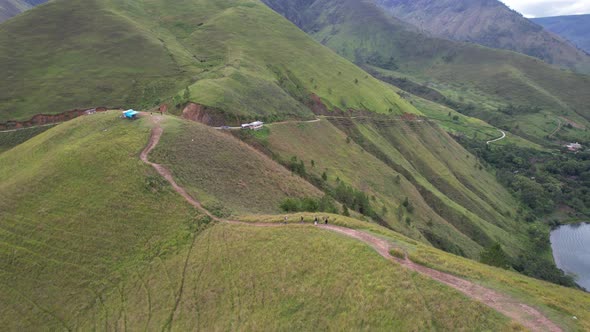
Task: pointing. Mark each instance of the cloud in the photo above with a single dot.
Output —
(542, 8)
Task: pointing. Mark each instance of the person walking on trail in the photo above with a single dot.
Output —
(315, 221)
(285, 220)
(301, 221)
(326, 221)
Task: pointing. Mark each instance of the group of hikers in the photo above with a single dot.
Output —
(316, 221)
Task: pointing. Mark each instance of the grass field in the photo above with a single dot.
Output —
(92, 239)
(244, 278)
(79, 211)
(224, 173)
(559, 303)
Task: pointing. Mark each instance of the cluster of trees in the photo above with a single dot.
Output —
(519, 109)
(541, 180)
(351, 198)
(310, 204)
(297, 166)
(528, 264)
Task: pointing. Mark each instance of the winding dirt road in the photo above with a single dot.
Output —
(524, 314)
(497, 139)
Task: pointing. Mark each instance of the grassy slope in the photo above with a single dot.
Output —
(243, 278)
(237, 56)
(559, 303)
(463, 72)
(74, 53)
(439, 177)
(91, 239)
(78, 212)
(456, 205)
(11, 139)
(221, 171)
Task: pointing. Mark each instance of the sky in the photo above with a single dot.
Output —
(542, 8)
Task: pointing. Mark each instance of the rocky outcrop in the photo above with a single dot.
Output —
(203, 114)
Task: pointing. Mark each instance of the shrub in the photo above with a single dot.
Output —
(495, 256)
(309, 204)
(345, 211)
(290, 205)
(399, 253)
(297, 166)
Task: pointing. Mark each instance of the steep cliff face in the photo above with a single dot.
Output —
(489, 23)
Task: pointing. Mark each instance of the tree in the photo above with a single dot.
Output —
(495, 256)
(187, 94)
(345, 211)
(406, 202)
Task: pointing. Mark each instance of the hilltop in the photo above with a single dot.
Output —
(135, 254)
(572, 27)
(489, 23)
(118, 54)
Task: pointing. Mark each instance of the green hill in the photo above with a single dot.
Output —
(474, 80)
(122, 246)
(136, 54)
(572, 27)
(92, 238)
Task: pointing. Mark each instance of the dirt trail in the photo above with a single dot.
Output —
(524, 314)
(497, 139)
(559, 125)
(163, 171)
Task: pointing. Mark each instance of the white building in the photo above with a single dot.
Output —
(574, 146)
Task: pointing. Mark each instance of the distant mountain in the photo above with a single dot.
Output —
(10, 8)
(575, 28)
(488, 23)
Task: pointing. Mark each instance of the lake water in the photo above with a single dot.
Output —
(571, 250)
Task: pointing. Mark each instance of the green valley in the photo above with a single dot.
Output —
(399, 181)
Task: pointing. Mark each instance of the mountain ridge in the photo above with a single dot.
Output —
(572, 27)
(489, 23)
